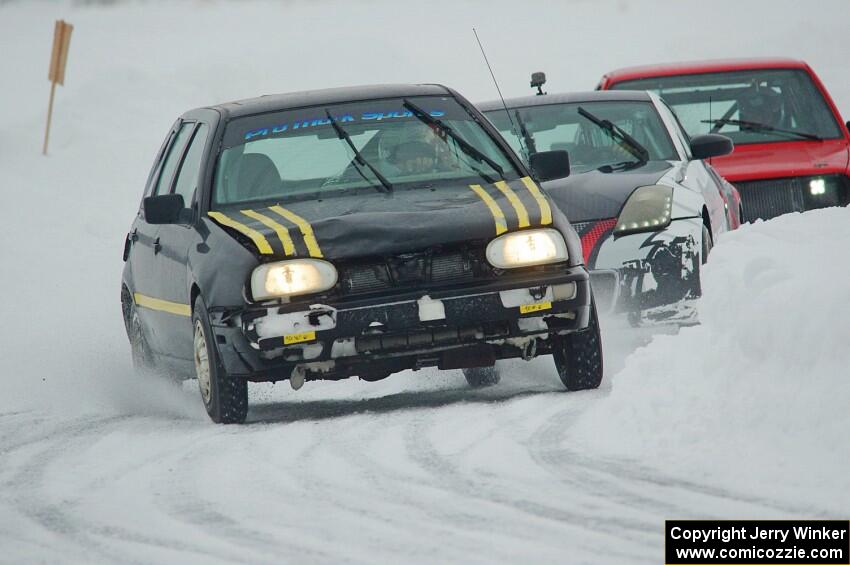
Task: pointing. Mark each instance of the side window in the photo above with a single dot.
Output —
(563, 136)
(166, 172)
(187, 176)
(680, 131)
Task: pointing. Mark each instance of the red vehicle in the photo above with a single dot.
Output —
(792, 151)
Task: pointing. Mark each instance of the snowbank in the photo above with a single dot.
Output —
(757, 396)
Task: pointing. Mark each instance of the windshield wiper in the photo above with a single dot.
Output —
(358, 157)
(467, 148)
(758, 126)
(530, 145)
(621, 166)
(619, 135)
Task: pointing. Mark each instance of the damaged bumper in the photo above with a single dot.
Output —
(652, 278)
(462, 326)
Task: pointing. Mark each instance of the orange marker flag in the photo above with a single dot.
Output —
(58, 62)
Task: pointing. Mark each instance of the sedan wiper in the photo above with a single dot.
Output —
(758, 126)
(467, 148)
(619, 135)
(358, 157)
(621, 166)
(530, 145)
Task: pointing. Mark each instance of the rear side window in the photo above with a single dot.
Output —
(166, 172)
(187, 177)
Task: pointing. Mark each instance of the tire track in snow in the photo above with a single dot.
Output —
(186, 501)
(579, 521)
(63, 518)
(27, 484)
(635, 486)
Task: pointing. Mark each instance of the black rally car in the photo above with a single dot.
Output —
(354, 231)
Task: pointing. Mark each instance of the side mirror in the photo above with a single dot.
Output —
(848, 126)
(164, 209)
(550, 165)
(710, 145)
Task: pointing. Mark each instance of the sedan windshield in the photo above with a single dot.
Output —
(373, 146)
(757, 106)
(596, 135)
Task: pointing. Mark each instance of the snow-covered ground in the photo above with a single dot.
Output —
(743, 416)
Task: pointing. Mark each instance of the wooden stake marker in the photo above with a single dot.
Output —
(58, 62)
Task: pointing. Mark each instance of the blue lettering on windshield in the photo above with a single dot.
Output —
(256, 133)
(303, 124)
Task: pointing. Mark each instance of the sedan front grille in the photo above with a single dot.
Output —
(767, 199)
(415, 270)
(367, 278)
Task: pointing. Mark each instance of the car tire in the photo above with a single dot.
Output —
(479, 377)
(139, 350)
(705, 249)
(578, 355)
(707, 244)
(225, 398)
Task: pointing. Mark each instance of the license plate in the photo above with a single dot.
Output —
(298, 338)
(528, 308)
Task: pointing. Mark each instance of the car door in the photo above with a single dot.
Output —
(139, 245)
(697, 176)
(174, 241)
(156, 312)
(730, 201)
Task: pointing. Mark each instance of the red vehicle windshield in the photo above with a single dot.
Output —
(752, 106)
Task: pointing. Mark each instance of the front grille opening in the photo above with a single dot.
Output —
(367, 278)
(431, 338)
(766, 199)
(412, 270)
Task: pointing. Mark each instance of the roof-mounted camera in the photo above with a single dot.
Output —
(538, 79)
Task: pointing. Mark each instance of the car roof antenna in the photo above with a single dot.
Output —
(502, 98)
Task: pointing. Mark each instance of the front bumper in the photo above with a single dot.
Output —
(651, 277)
(450, 327)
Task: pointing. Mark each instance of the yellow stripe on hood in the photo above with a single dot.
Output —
(521, 212)
(259, 239)
(304, 226)
(281, 231)
(495, 210)
(545, 210)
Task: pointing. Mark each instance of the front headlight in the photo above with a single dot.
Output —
(526, 248)
(649, 208)
(292, 278)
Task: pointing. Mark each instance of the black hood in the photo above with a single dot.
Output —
(595, 195)
(375, 224)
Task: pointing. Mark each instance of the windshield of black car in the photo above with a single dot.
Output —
(781, 99)
(561, 126)
(298, 154)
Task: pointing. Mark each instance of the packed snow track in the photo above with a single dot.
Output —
(742, 416)
(433, 472)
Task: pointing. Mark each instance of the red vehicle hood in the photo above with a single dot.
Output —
(783, 159)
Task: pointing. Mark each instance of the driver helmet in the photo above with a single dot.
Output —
(761, 104)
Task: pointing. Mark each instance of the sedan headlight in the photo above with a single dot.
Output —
(649, 208)
(292, 278)
(526, 248)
